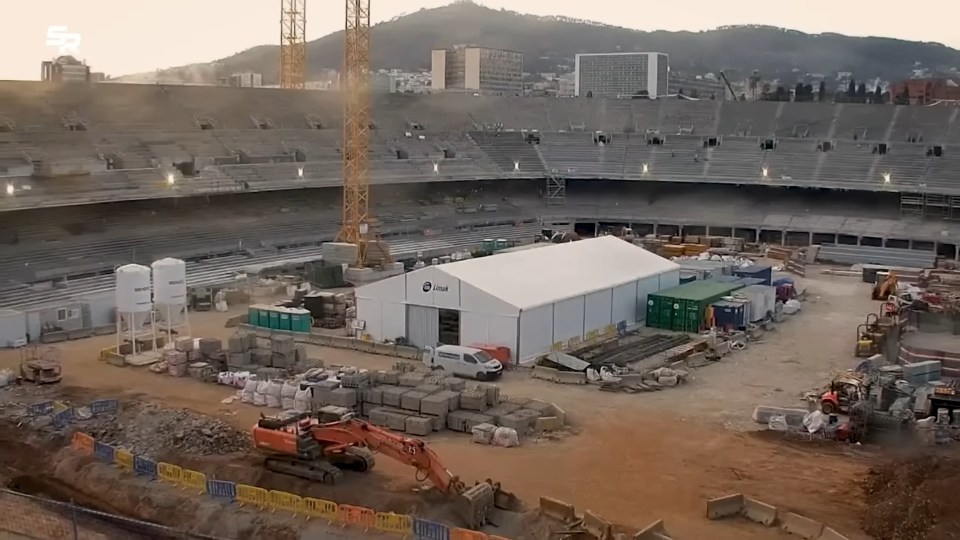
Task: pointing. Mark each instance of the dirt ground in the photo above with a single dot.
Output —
(633, 458)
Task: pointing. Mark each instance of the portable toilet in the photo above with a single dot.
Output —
(300, 320)
(253, 315)
(274, 318)
(284, 322)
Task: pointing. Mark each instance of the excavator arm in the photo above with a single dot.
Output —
(413, 452)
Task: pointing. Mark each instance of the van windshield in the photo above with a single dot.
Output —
(482, 356)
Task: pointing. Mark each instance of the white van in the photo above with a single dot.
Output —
(463, 361)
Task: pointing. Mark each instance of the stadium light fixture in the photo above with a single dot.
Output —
(10, 189)
(300, 173)
(764, 172)
(171, 180)
(436, 168)
(646, 168)
(516, 166)
(886, 178)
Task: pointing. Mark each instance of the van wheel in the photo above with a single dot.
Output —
(481, 376)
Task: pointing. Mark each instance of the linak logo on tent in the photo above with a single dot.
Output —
(427, 287)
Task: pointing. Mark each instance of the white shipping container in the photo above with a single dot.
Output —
(763, 299)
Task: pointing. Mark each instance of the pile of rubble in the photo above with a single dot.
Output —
(912, 500)
(152, 430)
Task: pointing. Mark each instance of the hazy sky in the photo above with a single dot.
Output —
(128, 36)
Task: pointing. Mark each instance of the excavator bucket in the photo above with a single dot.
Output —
(475, 503)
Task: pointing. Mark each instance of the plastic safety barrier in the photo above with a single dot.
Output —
(104, 406)
(319, 508)
(281, 500)
(194, 480)
(394, 523)
(252, 495)
(123, 459)
(40, 409)
(424, 529)
(357, 516)
(104, 452)
(222, 489)
(169, 473)
(145, 467)
(466, 534)
(82, 443)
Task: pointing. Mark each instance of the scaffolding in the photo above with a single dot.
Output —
(293, 43)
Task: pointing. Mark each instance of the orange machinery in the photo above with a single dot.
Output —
(303, 446)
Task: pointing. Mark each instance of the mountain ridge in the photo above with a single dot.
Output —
(552, 41)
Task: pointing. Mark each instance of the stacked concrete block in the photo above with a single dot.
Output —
(464, 421)
(343, 397)
(523, 420)
(474, 399)
(438, 404)
(202, 371)
(454, 384)
(183, 344)
(283, 344)
(542, 407)
(396, 421)
(238, 360)
(501, 410)
(378, 416)
(335, 253)
(411, 379)
(419, 426)
(392, 395)
(321, 392)
(492, 393)
(261, 357)
(388, 377)
(428, 388)
(332, 413)
(237, 343)
(435, 378)
(411, 400)
(373, 394)
(210, 345)
(355, 380)
(483, 433)
(268, 373)
(919, 373)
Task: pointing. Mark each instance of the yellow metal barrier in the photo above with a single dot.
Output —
(281, 500)
(123, 459)
(194, 480)
(394, 523)
(609, 329)
(170, 473)
(253, 496)
(82, 443)
(466, 534)
(318, 508)
(104, 353)
(357, 516)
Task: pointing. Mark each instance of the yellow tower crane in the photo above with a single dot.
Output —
(293, 43)
(358, 227)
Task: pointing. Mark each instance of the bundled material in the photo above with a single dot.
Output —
(505, 437)
(274, 392)
(177, 370)
(260, 396)
(483, 433)
(301, 401)
(249, 389)
(288, 394)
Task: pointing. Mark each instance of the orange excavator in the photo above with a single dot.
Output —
(303, 446)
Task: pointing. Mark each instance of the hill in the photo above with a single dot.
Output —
(547, 42)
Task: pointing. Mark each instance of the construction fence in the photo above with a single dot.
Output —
(357, 518)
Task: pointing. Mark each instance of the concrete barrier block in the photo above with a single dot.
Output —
(721, 507)
(393, 394)
(548, 423)
(801, 526)
(794, 417)
(557, 509)
(655, 531)
(600, 528)
(759, 511)
(419, 426)
(571, 377)
(545, 373)
(831, 534)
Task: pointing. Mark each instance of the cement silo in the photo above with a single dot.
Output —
(170, 296)
(134, 305)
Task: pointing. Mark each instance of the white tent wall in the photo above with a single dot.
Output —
(568, 319)
(597, 310)
(384, 320)
(423, 325)
(536, 332)
(486, 329)
(431, 286)
(625, 304)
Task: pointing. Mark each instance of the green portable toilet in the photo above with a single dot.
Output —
(501, 243)
(253, 315)
(488, 245)
(274, 316)
(300, 320)
(284, 319)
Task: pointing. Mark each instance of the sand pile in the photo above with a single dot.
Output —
(913, 499)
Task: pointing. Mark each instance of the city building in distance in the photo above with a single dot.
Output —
(66, 69)
(621, 75)
(468, 68)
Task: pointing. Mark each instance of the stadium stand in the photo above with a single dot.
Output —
(203, 173)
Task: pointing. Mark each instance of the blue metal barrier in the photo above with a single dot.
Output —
(104, 406)
(221, 489)
(104, 452)
(63, 418)
(145, 467)
(40, 409)
(430, 530)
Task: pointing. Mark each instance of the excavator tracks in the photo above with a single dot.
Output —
(328, 472)
(317, 471)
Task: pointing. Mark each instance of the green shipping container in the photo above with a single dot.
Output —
(284, 319)
(683, 308)
(300, 320)
(274, 319)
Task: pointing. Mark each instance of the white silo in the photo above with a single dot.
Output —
(134, 304)
(170, 296)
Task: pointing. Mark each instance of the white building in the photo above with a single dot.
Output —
(525, 300)
(618, 75)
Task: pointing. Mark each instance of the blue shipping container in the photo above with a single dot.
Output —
(729, 315)
(762, 271)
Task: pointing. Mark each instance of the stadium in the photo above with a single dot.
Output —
(226, 178)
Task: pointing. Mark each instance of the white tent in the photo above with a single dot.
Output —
(529, 301)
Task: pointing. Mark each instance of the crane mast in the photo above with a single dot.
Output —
(357, 227)
(293, 43)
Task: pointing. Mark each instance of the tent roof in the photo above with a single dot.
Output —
(535, 277)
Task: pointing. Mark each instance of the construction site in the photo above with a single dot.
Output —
(319, 325)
